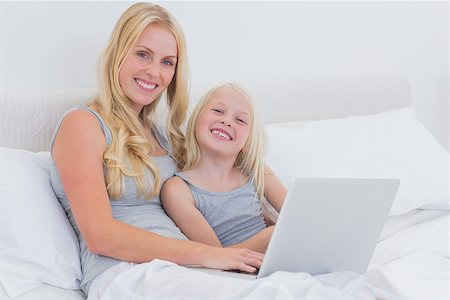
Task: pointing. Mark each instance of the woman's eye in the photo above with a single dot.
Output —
(167, 62)
(143, 55)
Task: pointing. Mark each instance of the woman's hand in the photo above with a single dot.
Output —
(232, 259)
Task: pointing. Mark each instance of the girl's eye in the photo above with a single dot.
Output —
(217, 110)
(143, 55)
(167, 62)
(241, 120)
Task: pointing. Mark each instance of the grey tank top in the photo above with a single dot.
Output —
(234, 216)
(130, 209)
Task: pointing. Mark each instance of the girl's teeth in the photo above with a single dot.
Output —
(221, 134)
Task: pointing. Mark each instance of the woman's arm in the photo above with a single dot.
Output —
(78, 151)
(178, 202)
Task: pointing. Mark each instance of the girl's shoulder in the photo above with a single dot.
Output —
(174, 188)
(198, 182)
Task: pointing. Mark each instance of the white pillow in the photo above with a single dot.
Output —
(392, 144)
(37, 242)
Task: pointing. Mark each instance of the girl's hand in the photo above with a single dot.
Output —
(233, 259)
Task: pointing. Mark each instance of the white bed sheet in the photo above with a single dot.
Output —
(411, 261)
(413, 257)
(398, 223)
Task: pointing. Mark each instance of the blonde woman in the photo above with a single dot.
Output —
(216, 199)
(110, 158)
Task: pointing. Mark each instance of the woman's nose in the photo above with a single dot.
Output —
(152, 69)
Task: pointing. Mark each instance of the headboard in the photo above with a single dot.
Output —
(27, 119)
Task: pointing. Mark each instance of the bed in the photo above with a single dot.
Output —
(334, 127)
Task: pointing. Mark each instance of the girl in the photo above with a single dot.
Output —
(216, 199)
(110, 158)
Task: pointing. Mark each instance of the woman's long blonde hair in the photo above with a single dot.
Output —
(251, 158)
(128, 154)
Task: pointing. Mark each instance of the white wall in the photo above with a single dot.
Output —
(48, 45)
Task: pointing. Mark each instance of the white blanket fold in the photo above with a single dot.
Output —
(410, 264)
(165, 280)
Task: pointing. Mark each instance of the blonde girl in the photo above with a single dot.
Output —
(217, 197)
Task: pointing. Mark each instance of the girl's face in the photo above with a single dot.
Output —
(149, 66)
(223, 126)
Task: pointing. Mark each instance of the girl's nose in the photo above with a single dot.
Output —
(226, 123)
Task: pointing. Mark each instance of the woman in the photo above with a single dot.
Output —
(110, 158)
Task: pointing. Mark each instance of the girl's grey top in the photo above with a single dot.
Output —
(130, 208)
(234, 216)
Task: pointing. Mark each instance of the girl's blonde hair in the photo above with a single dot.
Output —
(128, 154)
(251, 158)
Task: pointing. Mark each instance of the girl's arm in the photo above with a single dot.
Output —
(274, 190)
(258, 242)
(179, 204)
(78, 151)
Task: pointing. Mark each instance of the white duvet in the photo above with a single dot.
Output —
(410, 263)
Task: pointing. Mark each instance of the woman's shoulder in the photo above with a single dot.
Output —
(80, 114)
(161, 130)
(81, 119)
(162, 135)
(81, 124)
(88, 118)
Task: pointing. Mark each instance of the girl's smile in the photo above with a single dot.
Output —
(222, 134)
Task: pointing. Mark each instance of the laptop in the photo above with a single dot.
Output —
(327, 225)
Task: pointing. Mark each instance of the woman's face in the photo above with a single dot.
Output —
(149, 66)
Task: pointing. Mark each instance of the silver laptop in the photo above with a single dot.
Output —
(327, 225)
